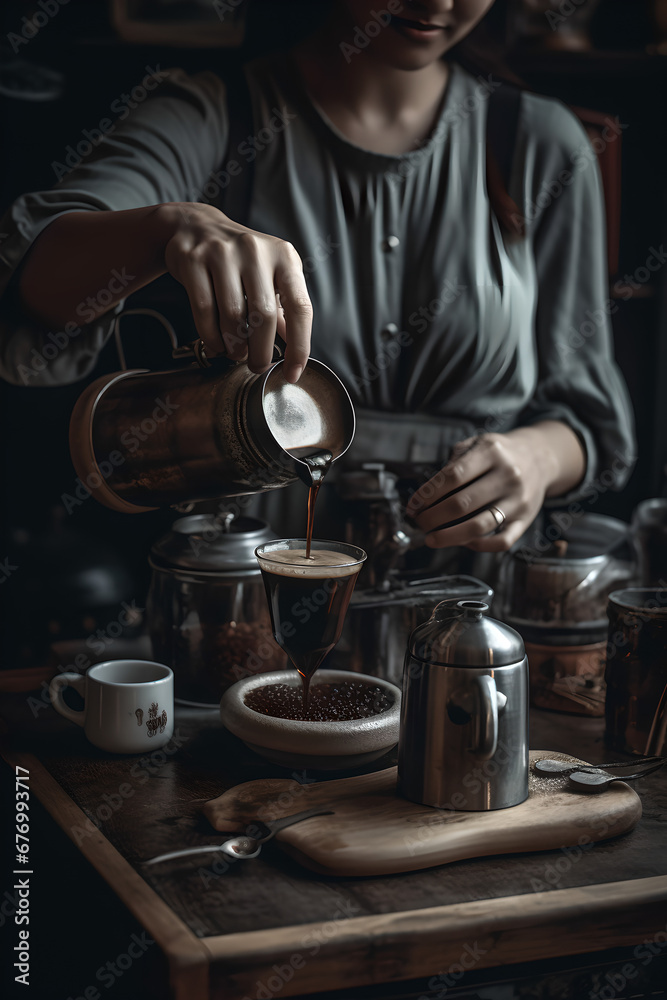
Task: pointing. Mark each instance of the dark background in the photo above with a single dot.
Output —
(44, 542)
(49, 547)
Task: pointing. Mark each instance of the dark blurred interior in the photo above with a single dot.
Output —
(621, 71)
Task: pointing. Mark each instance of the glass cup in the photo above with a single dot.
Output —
(308, 597)
(636, 671)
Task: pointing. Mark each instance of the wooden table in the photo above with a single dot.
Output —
(224, 932)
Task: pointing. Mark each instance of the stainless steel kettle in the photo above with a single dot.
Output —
(464, 714)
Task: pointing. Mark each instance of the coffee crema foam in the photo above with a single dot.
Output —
(322, 564)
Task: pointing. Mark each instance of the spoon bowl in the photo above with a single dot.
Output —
(592, 782)
(243, 847)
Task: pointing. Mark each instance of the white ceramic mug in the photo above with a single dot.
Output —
(128, 704)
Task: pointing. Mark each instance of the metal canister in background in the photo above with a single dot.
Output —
(649, 531)
(207, 613)
(378, 626)
(636, 673)
(556, 597)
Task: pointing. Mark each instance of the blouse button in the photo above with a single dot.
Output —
(390, 330)
(390, 243)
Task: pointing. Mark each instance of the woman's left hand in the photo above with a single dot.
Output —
(491, 476)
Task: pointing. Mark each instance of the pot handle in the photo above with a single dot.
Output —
(486, 718)
(171, 333)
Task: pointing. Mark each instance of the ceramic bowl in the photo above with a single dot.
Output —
(321, 745)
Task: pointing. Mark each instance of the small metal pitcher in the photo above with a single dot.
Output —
(464, 714)
(141, 440)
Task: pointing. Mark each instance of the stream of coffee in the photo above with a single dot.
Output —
(318, 463)
(318, 466)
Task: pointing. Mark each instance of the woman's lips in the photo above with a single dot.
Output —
(420, 31)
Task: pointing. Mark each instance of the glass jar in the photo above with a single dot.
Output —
(636, 673)
(207, 612)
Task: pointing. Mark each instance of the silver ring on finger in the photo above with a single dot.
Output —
(499, 517)
(199, 351)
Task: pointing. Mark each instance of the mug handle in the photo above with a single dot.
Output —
(77, 681)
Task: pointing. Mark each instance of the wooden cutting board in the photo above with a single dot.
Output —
(375, 832)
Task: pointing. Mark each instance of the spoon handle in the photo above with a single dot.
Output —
(561, 767)
(281, 824)
(587, 782)
(208, 849)
(274, 828)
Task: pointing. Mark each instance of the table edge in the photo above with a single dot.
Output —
(187, 955)
(413, 944)
(405, 944)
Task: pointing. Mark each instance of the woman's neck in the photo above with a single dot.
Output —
(376, 106)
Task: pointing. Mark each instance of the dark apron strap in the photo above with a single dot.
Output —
(502, 124)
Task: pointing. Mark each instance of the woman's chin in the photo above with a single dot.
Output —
(399, 53)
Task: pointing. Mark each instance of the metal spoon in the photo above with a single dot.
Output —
(587, 781)
(244, 847)
(563, 768)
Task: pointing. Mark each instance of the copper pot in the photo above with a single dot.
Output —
(140, 440)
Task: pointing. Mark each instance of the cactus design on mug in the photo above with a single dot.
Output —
(155, 722)
(140, 716)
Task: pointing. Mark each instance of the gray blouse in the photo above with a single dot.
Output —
(438, 324)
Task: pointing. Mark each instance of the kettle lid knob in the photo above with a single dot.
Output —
(473, 610)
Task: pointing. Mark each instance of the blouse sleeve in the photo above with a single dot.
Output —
(578, 380)
(163, 150)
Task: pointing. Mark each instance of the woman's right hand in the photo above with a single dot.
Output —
(243, 287)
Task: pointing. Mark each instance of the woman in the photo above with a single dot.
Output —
(448, 330)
